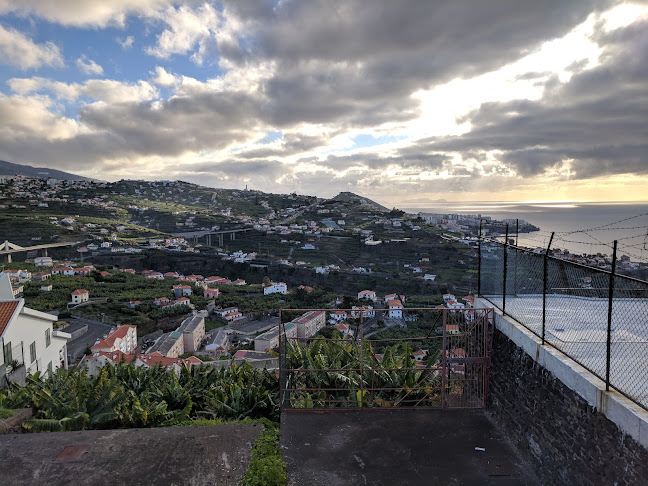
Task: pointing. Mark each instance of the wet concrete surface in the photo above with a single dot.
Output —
(210, 455)
(421, 447)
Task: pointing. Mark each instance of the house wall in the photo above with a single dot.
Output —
(538, 399)
(30, 329)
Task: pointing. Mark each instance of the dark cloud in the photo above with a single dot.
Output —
(597, 120)
(358, 63)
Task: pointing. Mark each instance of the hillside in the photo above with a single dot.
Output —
(8, 169)
(351, 198)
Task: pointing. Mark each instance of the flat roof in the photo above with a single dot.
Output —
(190, 324)
(165, 343)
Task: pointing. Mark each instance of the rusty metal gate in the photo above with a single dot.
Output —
(419, 358)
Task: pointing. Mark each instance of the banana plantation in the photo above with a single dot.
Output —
(340, 373)
(325, 374)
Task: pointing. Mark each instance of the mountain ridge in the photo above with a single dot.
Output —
(9, 168)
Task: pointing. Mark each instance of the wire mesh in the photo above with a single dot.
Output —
(629, 343)
(575, 309)
(354, 371)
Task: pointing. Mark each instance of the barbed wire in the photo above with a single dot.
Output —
(596, 228)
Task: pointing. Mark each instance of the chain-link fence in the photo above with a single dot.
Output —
(595, 317)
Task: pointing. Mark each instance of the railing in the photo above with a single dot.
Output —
(353, 371)
(596, 317)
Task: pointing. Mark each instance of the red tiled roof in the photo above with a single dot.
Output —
(117, 356)
(7, 310)
(109, 341)
(79, 292)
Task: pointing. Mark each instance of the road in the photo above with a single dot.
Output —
(96, 329)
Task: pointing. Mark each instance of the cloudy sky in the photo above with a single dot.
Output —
(403, 101)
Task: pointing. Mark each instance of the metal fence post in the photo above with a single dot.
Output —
(544, 287)
(504, 279)
(609, 326)
(515, 264)
(479, 258)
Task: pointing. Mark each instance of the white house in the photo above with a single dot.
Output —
(365, 311)
(27, 336)
(275, 288)
(429, 276)
(80, 295)
(339, 315)
(389, 297)
(395, 309)
(63, 271)
(367, 294)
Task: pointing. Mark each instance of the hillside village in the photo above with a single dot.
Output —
(348, 239)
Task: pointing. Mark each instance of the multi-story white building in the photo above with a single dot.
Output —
(193, 332)
(121, 338)
(395, 309)
(28, 337)
(43, 261)
(309, 323)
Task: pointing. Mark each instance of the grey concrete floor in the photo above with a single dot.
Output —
(422, 447)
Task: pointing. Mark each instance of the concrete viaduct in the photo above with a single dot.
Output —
(220, 234)
(8, 248)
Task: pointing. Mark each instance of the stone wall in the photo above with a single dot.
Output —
(567, 440)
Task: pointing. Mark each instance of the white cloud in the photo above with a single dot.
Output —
(126, 43)
(31, 117)
(88, 66)
(19, 50)
(85, 13)
(111, 91)
(164, 78)
(104, 90)
(188, 29)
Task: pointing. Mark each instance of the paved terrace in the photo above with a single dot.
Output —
(400, 447)
(216, 455)
(578, 327)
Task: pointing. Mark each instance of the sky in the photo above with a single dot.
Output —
(405, 102)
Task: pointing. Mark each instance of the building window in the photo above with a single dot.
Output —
(49, 368)
(32, 351)
(8, 358)
(48, 338)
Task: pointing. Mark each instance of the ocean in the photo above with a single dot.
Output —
(581, 227)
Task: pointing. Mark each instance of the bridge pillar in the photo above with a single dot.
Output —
(233, 235)
(8, 257)
(220, 239)
(208, 240)
(45, 252)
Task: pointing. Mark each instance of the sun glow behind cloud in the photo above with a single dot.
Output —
(347, 111)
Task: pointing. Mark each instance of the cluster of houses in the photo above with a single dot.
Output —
(120, 345)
